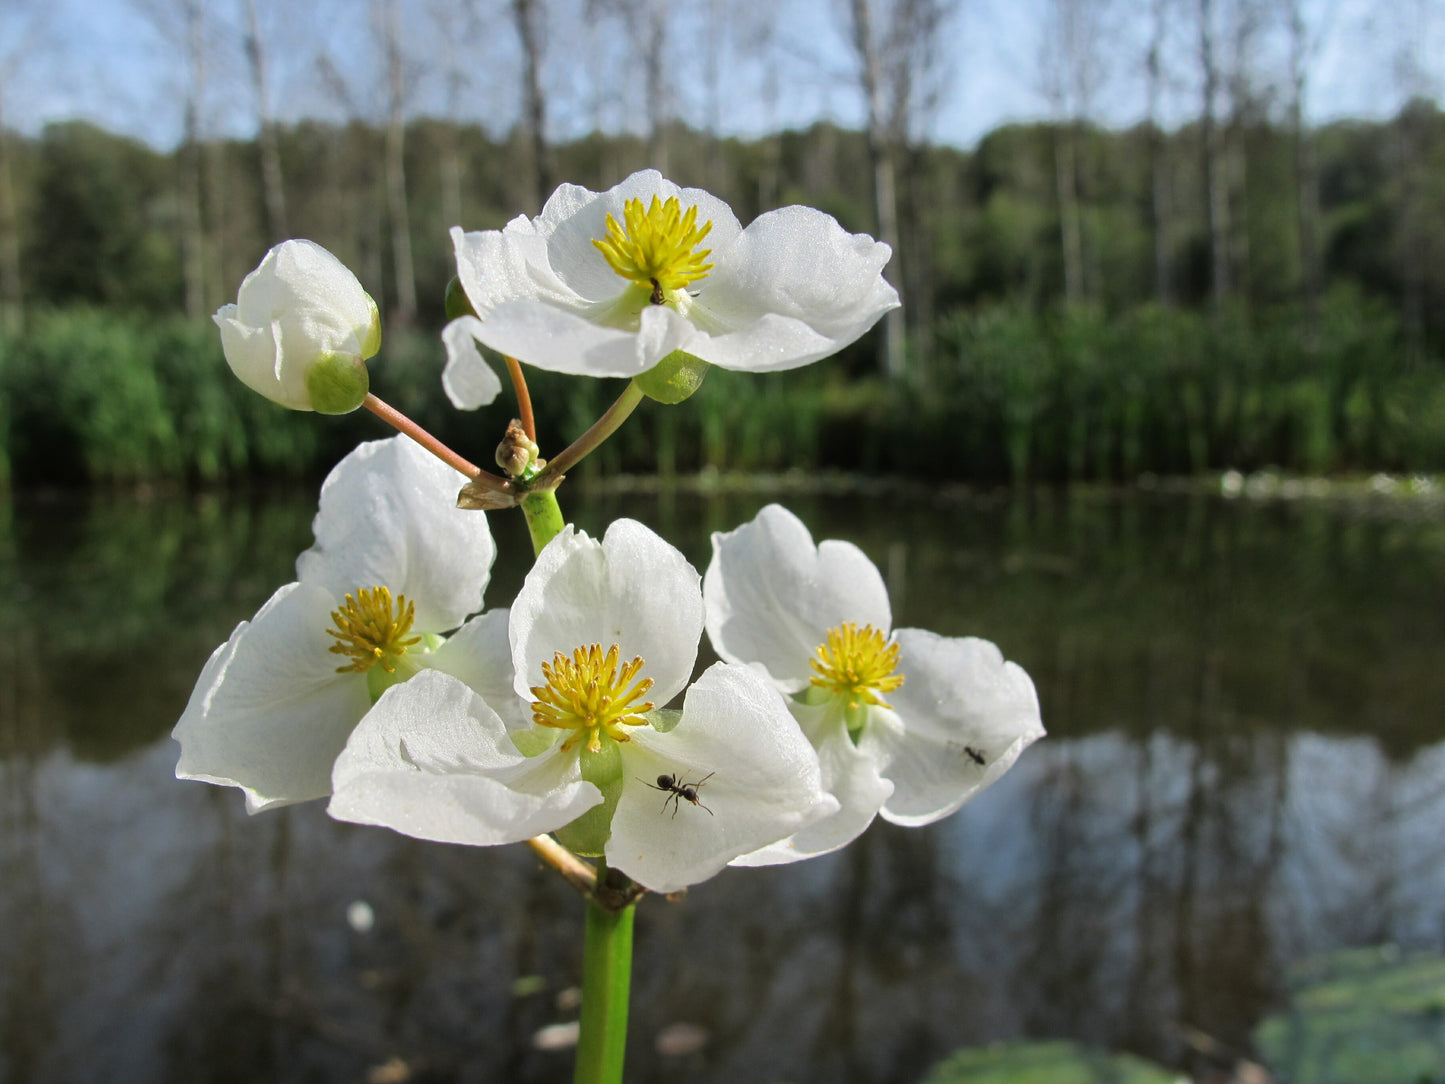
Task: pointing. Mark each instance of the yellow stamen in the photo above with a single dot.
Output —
(654, 248)
(370, 630)
(590, 693)
(858, 664)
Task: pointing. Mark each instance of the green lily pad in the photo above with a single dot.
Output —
(1046, 1063)
(1365, 1016)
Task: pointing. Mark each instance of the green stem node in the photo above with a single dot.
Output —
(544, 517)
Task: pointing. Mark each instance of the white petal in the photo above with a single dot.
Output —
(791, 288)
(468, 380)
(762, 783)
(772, 596)
(389, 519)
(270, 713)
(311, 290)
(432, 760)
(480, 655)
(251, 352)
(560, 341)
(496, 266)
(958, 695)
(631, 589)
(849, 774)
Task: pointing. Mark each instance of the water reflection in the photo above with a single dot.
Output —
(1245, 768)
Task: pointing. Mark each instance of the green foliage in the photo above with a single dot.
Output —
(1012, 395)
(1073, 395)
(91, 396)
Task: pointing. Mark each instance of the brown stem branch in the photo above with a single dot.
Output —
(576, 872)
(404, 425)
(524, 397)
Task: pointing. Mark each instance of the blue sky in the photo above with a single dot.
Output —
(110, 62)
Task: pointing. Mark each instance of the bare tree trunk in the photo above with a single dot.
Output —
(528, 14)
(1070, 228)
(1159, 203)
(272, 188)
(1216, 194)
(193, 238)
(403, 269)
(657, 111)
(1244, 111)
(885, 197)
(12, 311)
(1307, 207)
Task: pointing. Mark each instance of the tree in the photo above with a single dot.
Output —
(897, 51)
(530, 19)
(272, 186)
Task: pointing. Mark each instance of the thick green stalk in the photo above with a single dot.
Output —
(544, 517)
(606, 984)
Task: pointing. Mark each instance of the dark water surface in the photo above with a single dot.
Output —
(1245, 767)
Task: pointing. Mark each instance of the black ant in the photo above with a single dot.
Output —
(657, 299)
(679, 789)
(974, 755)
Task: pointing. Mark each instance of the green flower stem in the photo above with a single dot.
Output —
(601, 429)
(544, 517)
(606, 982)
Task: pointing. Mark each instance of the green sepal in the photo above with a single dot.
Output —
(457, 302)
(536, 741)
(588, 834)
(663, 719)
(337, 384)
(379, 679)
(673, 378)
(372, 343)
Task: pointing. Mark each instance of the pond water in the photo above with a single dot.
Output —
(1245, 768)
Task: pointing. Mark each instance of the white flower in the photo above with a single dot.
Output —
(301, 330)
(668, 798)
(610, 283)
(395, 563)
(906, 722)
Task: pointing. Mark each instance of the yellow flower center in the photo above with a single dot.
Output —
(654, 248)
(591, 694)
(370, 630)
(858, 664)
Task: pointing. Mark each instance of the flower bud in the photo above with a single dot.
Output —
(301, 330)
(517, 454)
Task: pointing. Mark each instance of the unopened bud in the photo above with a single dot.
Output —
(517, 454)
(301, 330)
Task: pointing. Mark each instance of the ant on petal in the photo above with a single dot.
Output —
(678, 789)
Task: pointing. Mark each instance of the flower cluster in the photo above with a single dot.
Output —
(376, 679)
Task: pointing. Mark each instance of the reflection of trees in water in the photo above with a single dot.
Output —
(129, 596)
(1151, 865)
(271, 983)
(28, 919)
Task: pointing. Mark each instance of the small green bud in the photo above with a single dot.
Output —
(673, 378)
(337, 384)
(589, 833)
(457, 302)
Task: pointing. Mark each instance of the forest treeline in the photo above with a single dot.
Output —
(1079, 303)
